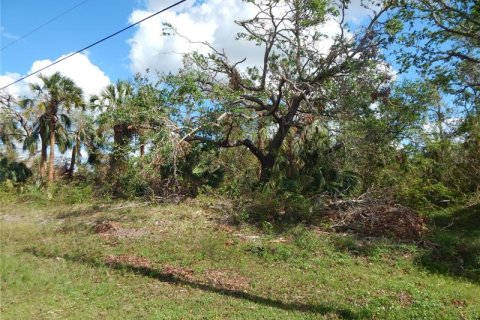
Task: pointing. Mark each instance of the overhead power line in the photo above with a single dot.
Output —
(44, 24)
(94, 44)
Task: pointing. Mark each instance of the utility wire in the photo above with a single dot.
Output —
(44, 24)
(94, 44)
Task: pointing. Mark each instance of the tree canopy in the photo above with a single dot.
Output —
(324, 113)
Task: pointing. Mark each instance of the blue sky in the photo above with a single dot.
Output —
(133, 51)
(120, 57)
(83, 25)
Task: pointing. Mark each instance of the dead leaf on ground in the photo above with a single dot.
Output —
(108, 229)
(128, 260)
(225, 278)
(177, 271)
(459, 303)
(219, 278)
(106, 226)
(405, 299)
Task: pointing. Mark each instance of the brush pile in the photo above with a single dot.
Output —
(377, 218)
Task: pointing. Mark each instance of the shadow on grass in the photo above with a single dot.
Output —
(456, 244)
(176, 280)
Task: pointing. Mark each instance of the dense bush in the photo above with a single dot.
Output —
(17, 172)
(278, 208)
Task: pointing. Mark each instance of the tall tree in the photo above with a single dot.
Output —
(302, 76)
(56, 93)
(35, 111)
(113, 102)
(441, 39)
(11, 122)
(84, 134)
(18, 123)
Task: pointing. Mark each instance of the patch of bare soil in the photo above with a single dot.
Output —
(378, 218)
(405, 299)
(129, 260)
(109, 229)
(11, 218)
(106, 226)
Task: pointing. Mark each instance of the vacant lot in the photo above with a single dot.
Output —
(185, 261)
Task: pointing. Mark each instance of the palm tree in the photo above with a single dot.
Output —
(114, 101)
(14, 125)
(84, 134)
(34, 112)
(56, 93)
(39, 131)
(9, 131)
(145, 111)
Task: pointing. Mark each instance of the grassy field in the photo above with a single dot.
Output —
(138, 261)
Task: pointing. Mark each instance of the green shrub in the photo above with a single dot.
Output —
(274, 252)
(304, 239)
(278, 208)
(73, 193)
(423, 196)
(439, 194)
(61, 192)
(16, 172)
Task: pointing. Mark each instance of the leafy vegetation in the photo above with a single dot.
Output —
(317, 183)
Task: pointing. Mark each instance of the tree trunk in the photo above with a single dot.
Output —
(266, 164)
(260, 146)
(118, 162)
(43, 159)
(141, 139)
(72, 161)
(268, 161)
(51, 169)
(117, 158)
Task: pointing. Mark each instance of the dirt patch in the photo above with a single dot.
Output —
(108, 229)
(378, 218)
(128, 260)
(11, 218)
(405, 299)
(179, 272)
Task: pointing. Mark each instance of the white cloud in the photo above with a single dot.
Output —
(79, 68)
(209, 20)
(356, 13)
(448, 125)
(17, 90)
(8, 35)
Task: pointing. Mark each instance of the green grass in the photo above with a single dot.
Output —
(55, 266)
(456, 235)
